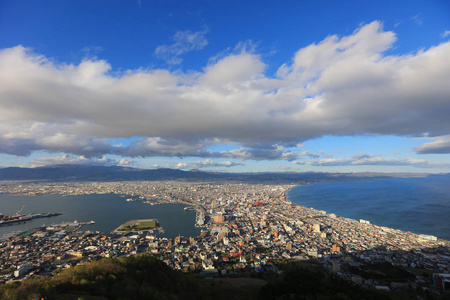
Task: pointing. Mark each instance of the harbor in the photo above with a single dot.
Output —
(107, 210)
(75, 224)
(249, 228)
(18, 218)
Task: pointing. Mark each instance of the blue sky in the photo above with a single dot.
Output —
(235, 86)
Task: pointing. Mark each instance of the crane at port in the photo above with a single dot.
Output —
(20, 210)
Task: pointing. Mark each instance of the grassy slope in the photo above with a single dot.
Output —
(143, 277)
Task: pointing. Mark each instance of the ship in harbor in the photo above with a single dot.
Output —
(45, 215)
(9, 220)
(18, 218)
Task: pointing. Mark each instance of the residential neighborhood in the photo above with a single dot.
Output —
(245, 228)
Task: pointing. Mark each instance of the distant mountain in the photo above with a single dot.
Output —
(97, 173)
(102, 173)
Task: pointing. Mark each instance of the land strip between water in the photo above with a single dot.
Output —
(247, 228)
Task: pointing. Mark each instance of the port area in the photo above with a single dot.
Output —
(69, 225)
(20, 219)
(139, 226)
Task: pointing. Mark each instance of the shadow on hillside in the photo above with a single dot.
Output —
(359, 275)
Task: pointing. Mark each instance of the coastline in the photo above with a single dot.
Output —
(374, 217)
(251, 226)
(108, 210)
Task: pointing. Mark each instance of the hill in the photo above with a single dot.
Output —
(144, 277)
(135, 277)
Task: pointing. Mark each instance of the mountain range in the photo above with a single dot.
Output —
(116, 173)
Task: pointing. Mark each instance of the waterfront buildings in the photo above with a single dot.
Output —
(246, 228)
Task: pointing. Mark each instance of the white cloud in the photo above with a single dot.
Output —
(156, 146)
(339, 86)
(207, 163)
(233, 72)
(441, 145)
(125, 163)
(261, 152)
(184, 41)
(445, 33)
(24, 138)
(154, 166)
(70, 160)
(371, 160)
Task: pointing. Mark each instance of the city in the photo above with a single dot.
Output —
(245, 228)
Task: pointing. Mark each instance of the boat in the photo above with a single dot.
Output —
(5, 220)
(8, 220)
(18, 218)
(45, 215)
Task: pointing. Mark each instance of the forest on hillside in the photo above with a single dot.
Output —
(144, 277)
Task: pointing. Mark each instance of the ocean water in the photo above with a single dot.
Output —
(419, 205)
(108, 211)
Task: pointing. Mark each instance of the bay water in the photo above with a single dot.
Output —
(107, 210)
(419, 205)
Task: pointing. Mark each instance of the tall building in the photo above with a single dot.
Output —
(218, 219)
(316, 227)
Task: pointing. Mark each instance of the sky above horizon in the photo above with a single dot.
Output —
(235, 86)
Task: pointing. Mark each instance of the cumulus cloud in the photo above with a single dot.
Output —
(71, 160)
(338, 86)
(183, 41)
(25, 138)
(125, 162)
(156, 146)
(372, 160)
(441, 145)
(271, 152)
(207, 163)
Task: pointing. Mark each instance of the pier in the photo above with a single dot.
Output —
(73, 224)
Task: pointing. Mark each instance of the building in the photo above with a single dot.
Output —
(316, 227)
(335, 248)
(428, 237)
(21, 270)
(442, 281)
(218, 219)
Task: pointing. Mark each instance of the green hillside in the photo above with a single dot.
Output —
(136, 277)
(144, 277)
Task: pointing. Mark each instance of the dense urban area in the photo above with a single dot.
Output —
(246, 228)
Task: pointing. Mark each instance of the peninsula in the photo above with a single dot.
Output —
(248, 228)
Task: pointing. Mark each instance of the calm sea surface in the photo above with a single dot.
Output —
(108, 211)
(419, 205)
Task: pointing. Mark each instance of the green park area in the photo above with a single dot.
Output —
(139, 225)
